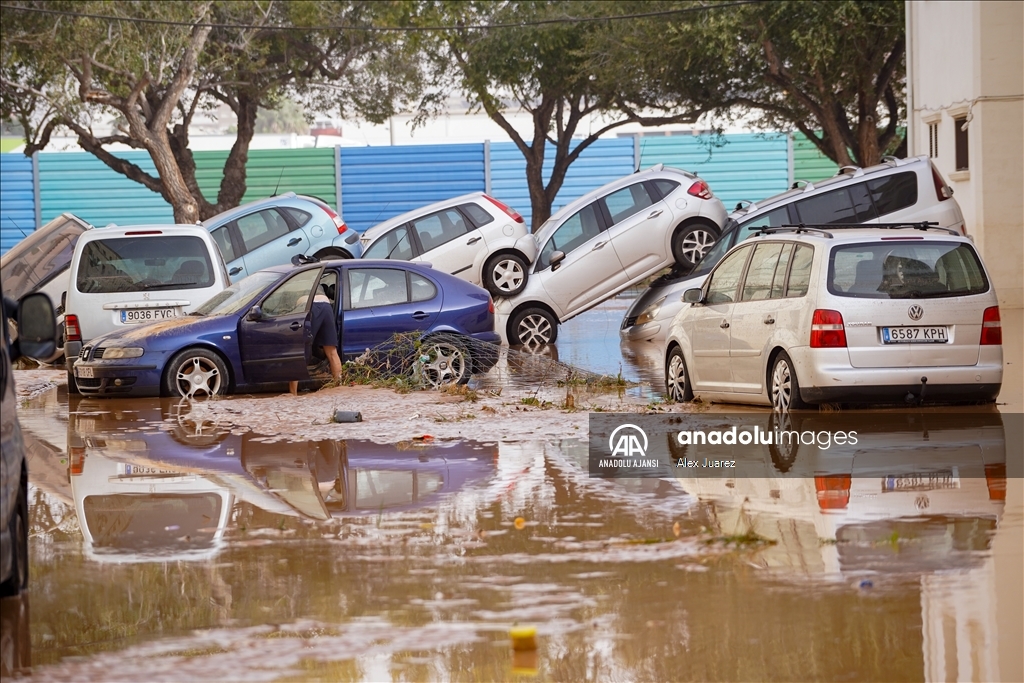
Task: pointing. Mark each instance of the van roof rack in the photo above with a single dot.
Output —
(821, 227)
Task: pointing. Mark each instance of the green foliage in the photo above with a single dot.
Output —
(833, 70)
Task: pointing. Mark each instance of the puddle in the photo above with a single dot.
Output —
(166, 545)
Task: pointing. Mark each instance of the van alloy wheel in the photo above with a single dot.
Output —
(785, 389)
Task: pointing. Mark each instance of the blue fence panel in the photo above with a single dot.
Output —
(17, 200)
(599, 164)
(81, 184)
(748, 166)
(378, 183)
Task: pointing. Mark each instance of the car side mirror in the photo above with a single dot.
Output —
(37, 326)
(692, 296)
(255, 314)
(556, 258)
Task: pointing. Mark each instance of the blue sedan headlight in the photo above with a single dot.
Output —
(122, 352)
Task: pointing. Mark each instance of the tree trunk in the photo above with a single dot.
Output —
(232, 185)
(539, 202)
(174, 189)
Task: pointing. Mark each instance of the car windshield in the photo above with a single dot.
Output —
(906, 270)
(239, 295)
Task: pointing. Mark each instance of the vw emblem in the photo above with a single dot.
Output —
(915, 312)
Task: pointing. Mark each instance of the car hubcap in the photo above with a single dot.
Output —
(507, 275)
(781, 387)
(443, 364)
(535, 329)
(696, 244)
(676, 379)
(198, 376)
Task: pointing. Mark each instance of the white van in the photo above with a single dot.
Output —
(133, 275)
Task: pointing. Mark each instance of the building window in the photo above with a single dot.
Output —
(960, 136)
(933, 140)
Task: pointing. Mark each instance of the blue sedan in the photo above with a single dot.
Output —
(259, 331)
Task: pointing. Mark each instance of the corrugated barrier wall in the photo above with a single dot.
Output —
(372, 184)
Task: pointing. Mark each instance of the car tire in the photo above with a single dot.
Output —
(690, 243)
(444, 360)
(72, 384)
(327, 254)
(505, 275)
(784, 389)
(677, 377)
(194, 372)
(533, 327)
(17, 529)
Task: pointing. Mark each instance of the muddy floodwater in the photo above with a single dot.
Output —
(163, 548)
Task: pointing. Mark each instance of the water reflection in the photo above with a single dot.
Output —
(354, 561)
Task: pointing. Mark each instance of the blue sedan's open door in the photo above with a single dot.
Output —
(275, 337)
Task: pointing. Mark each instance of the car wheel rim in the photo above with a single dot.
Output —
(782, 387)
(507, 275)
(443, 364)
(676, 379)
(696, 244)
(534, 330)
(198, 376)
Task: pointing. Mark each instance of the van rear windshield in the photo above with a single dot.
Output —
(139, 264)
(906, 270)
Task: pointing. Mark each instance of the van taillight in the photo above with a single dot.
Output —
(827, 330)
(942, 191)
(995, 480)
(76, 461)
(991, 327)
(512, 213)
(72, 332)
(144, 232)
(833, 491)
(700, 189)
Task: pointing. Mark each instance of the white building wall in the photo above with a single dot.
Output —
(967, 59)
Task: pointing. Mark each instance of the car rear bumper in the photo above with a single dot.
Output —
(825, 375)
(484, 351)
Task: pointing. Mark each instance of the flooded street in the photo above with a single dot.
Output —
(168, 546)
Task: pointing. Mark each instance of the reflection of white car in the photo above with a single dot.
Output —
(818, 314)
(130, 512)
(474, 237)
(609, 240)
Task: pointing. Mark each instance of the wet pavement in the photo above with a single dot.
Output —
(166, 547)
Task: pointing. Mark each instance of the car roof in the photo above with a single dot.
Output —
(846, 175)
(384, 226)
(656, 171)
(276, 200)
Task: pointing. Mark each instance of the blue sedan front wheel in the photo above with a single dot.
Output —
(195, 372)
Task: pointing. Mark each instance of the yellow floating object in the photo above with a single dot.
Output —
(520, 522)
(524, 638)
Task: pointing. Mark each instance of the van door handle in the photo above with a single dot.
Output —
(769, 320)
(295, 325)
(292, 242)
(474, 240)
(655, 214)
(420, 315)
(598, 246)
(724, 325)
(235, 271)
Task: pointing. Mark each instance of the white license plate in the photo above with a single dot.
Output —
(147, 315)
(922, 481)
(915, 335)
(84, 372)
